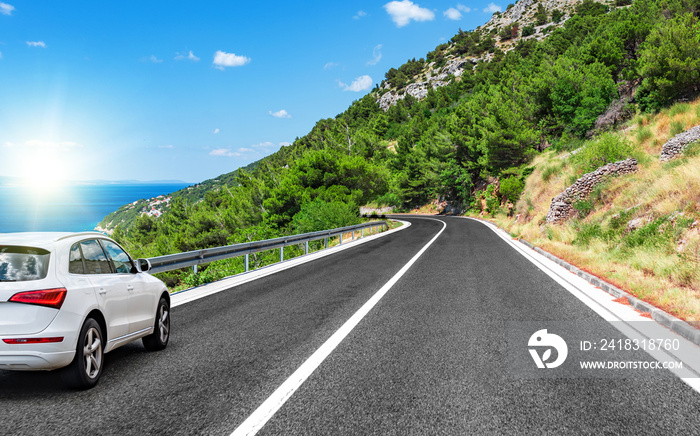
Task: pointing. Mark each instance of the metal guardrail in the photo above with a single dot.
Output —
(198, 257)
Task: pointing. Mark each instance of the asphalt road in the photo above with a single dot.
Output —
(430, 358)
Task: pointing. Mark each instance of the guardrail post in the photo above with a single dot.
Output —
(194, 269)
(340, 239)
(325, 243)
(246, 263)
(362, 234)
(352, 237)
(281, 254)
(306, 248)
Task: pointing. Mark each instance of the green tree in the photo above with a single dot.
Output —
(540, 15)
(528, 30)
(670, 61)
(320, 215)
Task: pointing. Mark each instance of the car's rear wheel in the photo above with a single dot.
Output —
(86, 368)
(158, 340)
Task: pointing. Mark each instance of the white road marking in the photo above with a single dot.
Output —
(269, 407)
(620, 316)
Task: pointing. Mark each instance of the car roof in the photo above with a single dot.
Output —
(42, 239)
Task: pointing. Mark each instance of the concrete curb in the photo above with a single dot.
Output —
(667, 320)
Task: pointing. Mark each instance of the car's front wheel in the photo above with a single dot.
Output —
(158, 340)
(86, 368)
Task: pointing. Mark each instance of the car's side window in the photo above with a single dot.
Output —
(121, 260)
(96, 261)
(75, 262)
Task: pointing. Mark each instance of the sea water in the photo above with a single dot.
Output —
(69, 208)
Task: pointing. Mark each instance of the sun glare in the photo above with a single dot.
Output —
(43, 173)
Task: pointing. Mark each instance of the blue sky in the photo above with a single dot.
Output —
(150, 90)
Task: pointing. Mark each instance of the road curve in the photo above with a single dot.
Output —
(429, 358)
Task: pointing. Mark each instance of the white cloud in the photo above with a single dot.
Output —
(330, 65)
(246, 150)
(360, 14)
(280, 114)
(36, 44)
(376, 55)
(402, 12)
(456, 12)
(362, 83)
(223, 152)
(285, 144)
(187, 56)
(154, 59)
(223, 59)
(452, 14)
(6, 9)
(492, 8)
(216, 131)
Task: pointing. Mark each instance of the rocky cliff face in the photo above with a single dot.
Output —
(435, 79)
(522, 14)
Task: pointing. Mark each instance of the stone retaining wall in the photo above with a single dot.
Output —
(562, 205)
(677, 144)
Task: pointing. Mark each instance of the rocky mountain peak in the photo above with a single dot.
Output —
(526, 19)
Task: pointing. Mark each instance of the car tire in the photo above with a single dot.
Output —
(158, 340)
(85, 369)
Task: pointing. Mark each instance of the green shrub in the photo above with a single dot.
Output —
(557, 15)
(492, 202)
(549, 171)
(319, 215)
(692, 149)
(679, 108)
(511, 188)
(540, 15)
(643, 133)
(586, 233)
(528, 30)
(651, 234)
(609, 147)
(583, 207)
(677, 127)
(618, 223)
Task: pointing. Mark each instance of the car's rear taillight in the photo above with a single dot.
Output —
(33, 340)
(48, 297)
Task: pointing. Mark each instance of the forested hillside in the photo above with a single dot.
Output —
(603, 66)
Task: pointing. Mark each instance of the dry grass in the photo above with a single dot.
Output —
(662, 267)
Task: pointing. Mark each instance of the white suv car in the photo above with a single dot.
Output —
(68, 298)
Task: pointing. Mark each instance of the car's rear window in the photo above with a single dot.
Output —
(21, 264)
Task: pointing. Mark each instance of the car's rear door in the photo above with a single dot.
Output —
(111, 292)
(141, 306)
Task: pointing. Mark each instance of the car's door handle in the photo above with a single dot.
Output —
(102, 291)
(129, 288)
